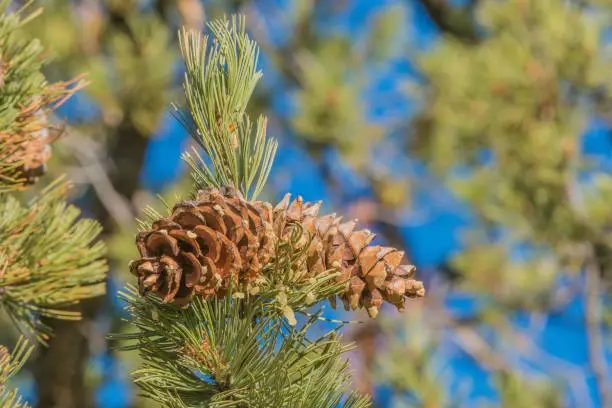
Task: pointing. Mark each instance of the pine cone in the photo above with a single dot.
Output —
(220, 238)
(204, 246)
(30, 147)
(2, 70)
(373, 273)
(36, 152)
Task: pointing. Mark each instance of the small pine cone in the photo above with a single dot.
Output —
(205, 245)
(32, 148)
(372, 273)
(37, 151)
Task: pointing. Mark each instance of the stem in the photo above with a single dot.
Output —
(594, 335)
(473, 344)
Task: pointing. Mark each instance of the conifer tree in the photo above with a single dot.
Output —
(49, 257)
(502, 127)
(223, 279)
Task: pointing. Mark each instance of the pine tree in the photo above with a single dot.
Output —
(508, 93)
(223, 278)
(49, 257)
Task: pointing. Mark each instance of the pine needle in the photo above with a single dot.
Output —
(221, 75)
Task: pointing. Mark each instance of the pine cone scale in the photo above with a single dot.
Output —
(186, 242)
(372, 273)
(209, 245)
(192, 268)
(158, 243)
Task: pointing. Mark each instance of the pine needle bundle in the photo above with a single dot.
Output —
(49, 259)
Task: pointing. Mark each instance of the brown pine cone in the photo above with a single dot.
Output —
(31, 148)
(204, 246)
(373, 273)
(37, 151)
(220, 238)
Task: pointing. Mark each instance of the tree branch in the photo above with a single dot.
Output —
(456, 21)
(117, 206)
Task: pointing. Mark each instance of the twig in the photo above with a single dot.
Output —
(114, 203)
(572, 374)
(470, 341)
(457, 21)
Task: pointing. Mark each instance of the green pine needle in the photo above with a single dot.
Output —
(232, 353)
(49, 259)
(247, 349)
(10, 364)
(219, 81)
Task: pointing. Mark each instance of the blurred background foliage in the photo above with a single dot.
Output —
(473, 133)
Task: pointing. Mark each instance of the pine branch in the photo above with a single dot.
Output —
(49, 259)
(10, 364)
(26, 98)
(221, 277)
(131, 88)
(219, 82)
(231, 353)
(241, 348)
